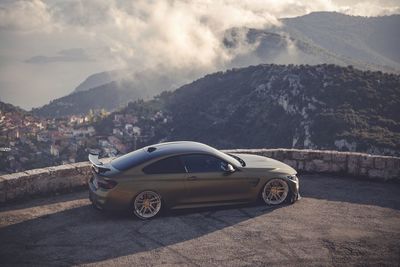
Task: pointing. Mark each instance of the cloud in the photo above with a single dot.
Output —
(177, 34)
(369, 9)
(148, 34)
(25, 16)
(182, 38)
(69, 55)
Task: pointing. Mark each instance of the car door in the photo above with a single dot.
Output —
(167, 177)
(207, 182)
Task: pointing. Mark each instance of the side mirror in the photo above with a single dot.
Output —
(228, 168)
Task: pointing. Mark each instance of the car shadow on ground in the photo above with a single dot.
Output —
(49, 199)
(84, 235)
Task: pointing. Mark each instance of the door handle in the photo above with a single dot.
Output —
(192, 178)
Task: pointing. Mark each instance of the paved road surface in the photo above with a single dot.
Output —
(339, 221)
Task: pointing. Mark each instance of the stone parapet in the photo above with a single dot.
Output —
(43, 181)
(333, 162)
(67, 177)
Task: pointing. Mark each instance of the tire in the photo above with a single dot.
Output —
(275, 192)
(146, 205)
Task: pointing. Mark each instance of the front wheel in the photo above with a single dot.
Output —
(275, 192)
(146, 205)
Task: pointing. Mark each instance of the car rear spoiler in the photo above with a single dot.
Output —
(94, 159)
(97, 164)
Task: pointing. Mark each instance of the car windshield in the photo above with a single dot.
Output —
(241, 161)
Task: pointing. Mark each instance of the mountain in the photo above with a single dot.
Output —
(106, 97)
(322, 106)
(96, 80)
(371, 40)
(128, 86)
(152, 80)
(6, 107)
(367, 43)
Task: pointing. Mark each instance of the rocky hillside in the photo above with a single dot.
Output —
(6, 107)
(323, 106)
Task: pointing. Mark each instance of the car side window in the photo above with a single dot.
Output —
(203, 163)
(165, 166)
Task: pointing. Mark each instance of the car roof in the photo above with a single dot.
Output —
(178, 147)
(184, 147)
(151, 152)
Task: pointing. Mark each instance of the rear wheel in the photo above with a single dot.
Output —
(147, 204)
(275, 192)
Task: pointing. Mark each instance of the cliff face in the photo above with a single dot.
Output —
(323, 106)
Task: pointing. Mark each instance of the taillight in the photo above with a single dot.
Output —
(106, 184)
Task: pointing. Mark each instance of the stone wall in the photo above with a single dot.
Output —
(43, 181)
(334, 162)
(67, 177)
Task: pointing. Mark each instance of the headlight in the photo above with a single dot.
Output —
(292, 177)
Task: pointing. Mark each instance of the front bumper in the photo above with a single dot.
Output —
(294, 185)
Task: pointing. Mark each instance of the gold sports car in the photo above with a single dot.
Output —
(186, 175)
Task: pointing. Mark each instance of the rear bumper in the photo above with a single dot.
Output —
(111, 200)
(97, 198)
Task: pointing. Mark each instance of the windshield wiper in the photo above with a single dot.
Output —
(238, 159)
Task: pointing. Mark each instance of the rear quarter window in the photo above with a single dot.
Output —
(130, 160)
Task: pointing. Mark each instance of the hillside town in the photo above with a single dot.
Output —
(28, 142)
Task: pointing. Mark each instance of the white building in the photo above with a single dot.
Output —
(55, 150)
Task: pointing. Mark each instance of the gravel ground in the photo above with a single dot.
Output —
(339, 221)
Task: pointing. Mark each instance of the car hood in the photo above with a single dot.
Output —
(260, 162)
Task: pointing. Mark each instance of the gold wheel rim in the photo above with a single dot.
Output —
(147, 204)
(275, 191)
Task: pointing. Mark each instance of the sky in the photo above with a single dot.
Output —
(47, 48)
